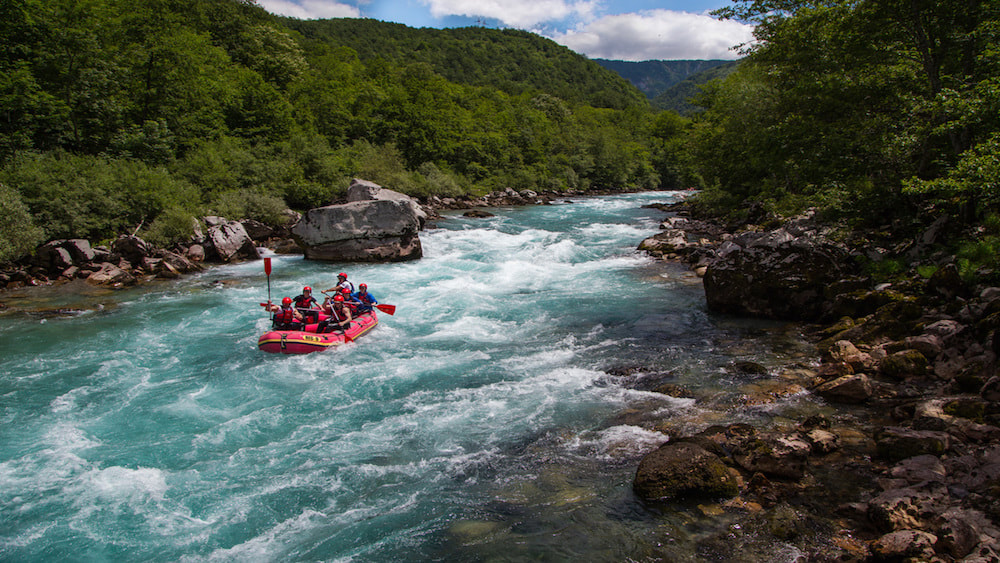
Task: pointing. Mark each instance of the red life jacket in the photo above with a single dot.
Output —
(284, 316)
(337, 314)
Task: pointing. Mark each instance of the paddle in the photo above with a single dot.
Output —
(267, 272)
(390, 309)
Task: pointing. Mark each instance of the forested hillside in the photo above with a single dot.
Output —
(126, 115)
(510, 60)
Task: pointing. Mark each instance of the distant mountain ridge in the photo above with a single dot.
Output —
(670, 84)
(654, 77)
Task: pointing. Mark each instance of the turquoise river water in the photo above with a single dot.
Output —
(494, 417)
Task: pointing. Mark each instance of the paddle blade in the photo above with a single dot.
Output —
(390, 309)
(267, 267)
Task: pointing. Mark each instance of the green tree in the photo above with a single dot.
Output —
(18, 233)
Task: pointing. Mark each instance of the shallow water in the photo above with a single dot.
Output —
(488, 419)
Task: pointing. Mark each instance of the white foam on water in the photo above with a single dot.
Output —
(241, 428)
(272, 544)
(117, 486)
(612, 233)
(68, 401)
(474, 329)
(617, 442)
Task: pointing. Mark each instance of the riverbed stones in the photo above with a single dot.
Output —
(683, 470)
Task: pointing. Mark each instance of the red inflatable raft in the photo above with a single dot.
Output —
(306, 340)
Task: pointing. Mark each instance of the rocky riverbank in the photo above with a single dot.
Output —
(910, 369)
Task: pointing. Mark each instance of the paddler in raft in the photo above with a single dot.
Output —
(342, 283)
(286, 317)
(349, 300)
(338, 315)
(307, 305)
(365, 300)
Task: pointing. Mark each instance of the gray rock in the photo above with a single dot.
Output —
(196, 253)
(363, 190)
(367, 231)
(919, 470)
(230, 240)
(669, 240)
(822, 441)
(958, 532)
(109, 274)
(781, 456)
(131, 248)
(929, 345)
(80, 250)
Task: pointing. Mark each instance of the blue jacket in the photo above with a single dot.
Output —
(366, 300)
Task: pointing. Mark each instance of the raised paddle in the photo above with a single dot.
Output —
(267, 272)
(390, 309)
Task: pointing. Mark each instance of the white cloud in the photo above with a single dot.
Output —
(514, 13)
(657, 34)
(310, 9)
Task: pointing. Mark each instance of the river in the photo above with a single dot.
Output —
(499, 415)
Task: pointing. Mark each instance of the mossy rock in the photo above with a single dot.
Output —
(972, 409)
(863, 303)
(971, 378)
(904, 364)
(783, 522)
(896, 444)
(683, 470)
(895, 320)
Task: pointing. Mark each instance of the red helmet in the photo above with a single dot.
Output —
(342, 275)
(306, 288)
(345, 291)
(338, 297)
(286, 301)
(363, 286)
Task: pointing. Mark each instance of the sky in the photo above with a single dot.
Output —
(630, 30)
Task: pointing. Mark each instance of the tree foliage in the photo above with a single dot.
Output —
(845, 102)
